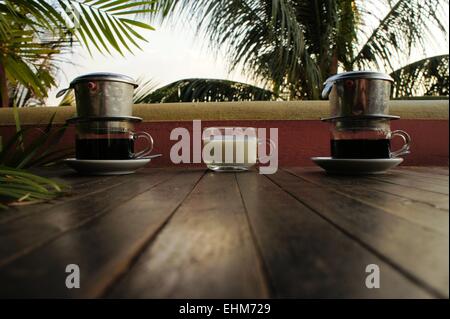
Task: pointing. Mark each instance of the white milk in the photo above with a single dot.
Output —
(231, 149)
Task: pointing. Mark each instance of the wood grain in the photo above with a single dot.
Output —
(397, 240)
(80, 186)
(415, 175)
(417, 212)
(103, 248)
(420, 184)
(432, 199)
(430, 169)
(21, 236)
(170, 233)
(205, 251)
(306, 256)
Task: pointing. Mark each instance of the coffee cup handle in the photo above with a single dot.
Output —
(148, 148)
(406, 140)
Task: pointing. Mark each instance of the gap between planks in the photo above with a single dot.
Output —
(117, 237)
(420, 213)
(308, 257)
(205, 251)
(60, 219)
(435, 281)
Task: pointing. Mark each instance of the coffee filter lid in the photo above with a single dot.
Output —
(104, 76)
(360, 75)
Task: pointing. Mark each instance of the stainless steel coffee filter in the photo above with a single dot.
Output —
(358, 93)
(103, 95)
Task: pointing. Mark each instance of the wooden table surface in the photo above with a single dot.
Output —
(171, 233)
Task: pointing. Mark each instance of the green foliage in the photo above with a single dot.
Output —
(427, 77)
(106, 24)
(41, 150)
(20, 186)
(407, 24)
(205, 90)
(297, 44)
(17, 185)
(34, 32)
(144, 90)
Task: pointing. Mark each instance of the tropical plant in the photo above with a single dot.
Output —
(30, 147)
(203, 90)
(427, 77)
(18, 185)
(34, 33)
(144, 89)
(297, 44)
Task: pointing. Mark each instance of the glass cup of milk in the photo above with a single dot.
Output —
(230, 149)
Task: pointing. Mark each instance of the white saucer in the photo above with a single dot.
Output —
(356, 166)
(108, 167)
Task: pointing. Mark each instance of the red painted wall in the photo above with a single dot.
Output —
(300, 140)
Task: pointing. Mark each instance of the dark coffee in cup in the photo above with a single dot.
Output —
(110, 139)
(361, 148)
(365, 138)
(105, 148)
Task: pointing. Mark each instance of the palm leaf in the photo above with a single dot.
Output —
(42, 149)
(33, 32)
(295, 44)
(427, 77)
(103, 23)
(250, 31)
(205, 90)
(405, 26)
(144, 90)
(19, 186)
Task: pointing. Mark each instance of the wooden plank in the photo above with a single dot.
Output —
(412, 183)
(80, 187)
(307, 257)
(430, 169)
(420, 254)
(417, 212)
(435, 200)
(421, 171)
(21, 236)
(103, 249)
(205, 251)
(422, 176)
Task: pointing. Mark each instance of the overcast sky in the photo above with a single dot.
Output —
(171, 54)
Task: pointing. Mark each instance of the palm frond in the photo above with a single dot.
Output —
(33, 32)
(144, 89)
(68, 99)
(31, 147)
(405, 26)
(206, 90)
(427, 77)
(250, 31)
(19, 186)
(295, 44)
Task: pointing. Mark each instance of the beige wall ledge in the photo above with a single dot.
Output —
(295, 110)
